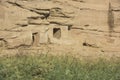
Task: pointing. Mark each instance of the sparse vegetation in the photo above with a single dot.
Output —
(48, 67)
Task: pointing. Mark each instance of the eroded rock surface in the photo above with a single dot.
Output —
(75, 22)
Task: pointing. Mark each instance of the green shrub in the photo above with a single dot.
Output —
(48, 67)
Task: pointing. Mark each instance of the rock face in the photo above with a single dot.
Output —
(92, 23)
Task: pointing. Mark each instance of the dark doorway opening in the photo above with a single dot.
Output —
(57, 33)
(69, 27)
(35, 38)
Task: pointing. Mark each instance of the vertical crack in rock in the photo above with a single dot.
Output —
(110, 19)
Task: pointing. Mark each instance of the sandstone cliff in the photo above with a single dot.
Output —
(92, 23)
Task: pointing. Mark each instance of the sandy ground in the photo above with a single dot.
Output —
(78, 51)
